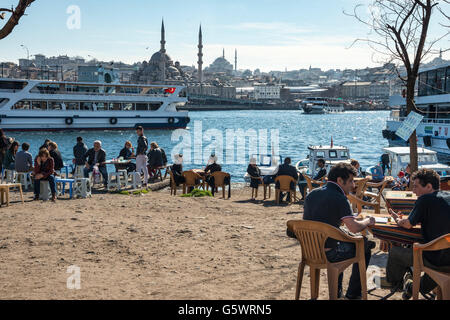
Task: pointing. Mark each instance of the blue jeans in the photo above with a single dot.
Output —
(51, 182)
(345, 251)
(102, 170)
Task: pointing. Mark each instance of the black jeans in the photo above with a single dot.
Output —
(400, 260)
(51, 182)
(345, 251)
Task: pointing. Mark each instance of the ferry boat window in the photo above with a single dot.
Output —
(55, 105)
(155, 106)
(183, 93)
(423, 84)
(12, 85)
(22, 105)
(127, 107)
(431, 83)
(333, 154)
(440, 81)
(114, 106)
(141, 106)
(102, 106)
(447, 86)
(72, 106)
(86, 106)
(39, 105)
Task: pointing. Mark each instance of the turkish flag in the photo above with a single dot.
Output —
(169, 90)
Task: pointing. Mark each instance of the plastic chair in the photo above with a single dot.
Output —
(173, 184)
(285, 186)
(265, 186)
(136, 180)
(441, 278)
(219, 181)
(312, 236)
(376, 197)
(190, 181)
(310, 182)
(25, 179)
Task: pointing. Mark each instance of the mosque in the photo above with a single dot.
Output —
(161, 68)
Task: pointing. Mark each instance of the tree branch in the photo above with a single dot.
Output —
(15, 17)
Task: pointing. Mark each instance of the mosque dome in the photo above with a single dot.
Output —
(158, 56)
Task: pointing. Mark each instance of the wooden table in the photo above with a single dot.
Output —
(117, 162)
(4, 192)
(392, 233)
(401, 201)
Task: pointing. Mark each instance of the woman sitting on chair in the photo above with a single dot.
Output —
(127, 153)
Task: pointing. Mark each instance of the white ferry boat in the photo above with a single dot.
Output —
(35, 105)
(321, 105)
(433, 100)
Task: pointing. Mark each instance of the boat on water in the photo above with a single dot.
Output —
(433, 102)
(427, 159)
(39, 105)
(317, 105)
(331, 154)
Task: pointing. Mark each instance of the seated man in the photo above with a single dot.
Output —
(330, 205)
(96, 157)
(24, 159)
(432, 211)
(286, 169)
(177, 169)
(44, 170)
(321, 174)
(377, 173)
(155, 158)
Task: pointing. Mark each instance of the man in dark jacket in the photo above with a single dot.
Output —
(56, 155)
(43, 171)
(286, 169)
(79, 150)
(96, 156)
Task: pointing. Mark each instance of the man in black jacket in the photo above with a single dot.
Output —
(286, 169)
(141, 154)
(79, 150)
(96, 156)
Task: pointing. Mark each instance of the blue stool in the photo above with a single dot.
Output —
(66, 169)
(63, 185)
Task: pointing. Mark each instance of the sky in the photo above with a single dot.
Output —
(268, 34)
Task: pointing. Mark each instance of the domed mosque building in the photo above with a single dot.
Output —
(220, 65)
(160, 68)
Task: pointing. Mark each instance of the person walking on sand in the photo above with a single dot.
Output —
(141, 154)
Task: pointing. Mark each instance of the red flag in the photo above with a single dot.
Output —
(332, 144)
(169, 90)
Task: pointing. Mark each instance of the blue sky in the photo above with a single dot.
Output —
(268, 34)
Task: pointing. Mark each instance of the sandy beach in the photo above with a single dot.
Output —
(154, 246)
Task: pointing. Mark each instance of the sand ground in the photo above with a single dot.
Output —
(154, 246)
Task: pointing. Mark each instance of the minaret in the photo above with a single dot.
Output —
(200, 55)
(224, 53)
(163, 52)
(235, 59)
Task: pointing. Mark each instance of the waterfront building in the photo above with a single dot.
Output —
(264, 91)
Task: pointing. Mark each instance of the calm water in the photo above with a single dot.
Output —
(360, 131)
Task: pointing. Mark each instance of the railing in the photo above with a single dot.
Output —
(425, 120)
(101, 94)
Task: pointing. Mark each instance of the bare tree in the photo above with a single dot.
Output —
(13, 20)
(399, 30)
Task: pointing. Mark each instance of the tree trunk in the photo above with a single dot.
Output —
(409, 108)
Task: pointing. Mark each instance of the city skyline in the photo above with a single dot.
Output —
(266, 35)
